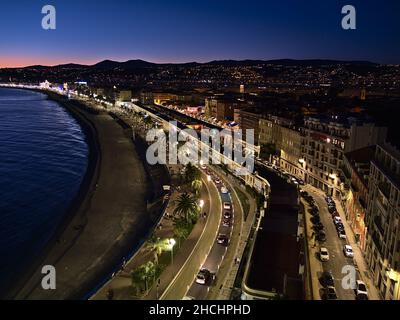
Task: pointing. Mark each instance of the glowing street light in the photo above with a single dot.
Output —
(171, 244)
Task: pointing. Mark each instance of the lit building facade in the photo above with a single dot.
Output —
(383, 221)
(355, 173)
(315, 150)
(324, 144)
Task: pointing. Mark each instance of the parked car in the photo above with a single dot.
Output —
(315, 219)
(327, 279)
(335, 214)
(337, 220)
(203, 277)
(339, 226)
(323, 254)
(329, 199)
(331, 209)
(341, 234)
(318, 226)
(362, 296)
(227, 206)
(303, 193)
(301, 182)
(348, 251)
(217, 180)
(321, 236)
(330, 293)
(361, 288)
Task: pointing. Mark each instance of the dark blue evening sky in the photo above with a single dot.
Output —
(181, 31)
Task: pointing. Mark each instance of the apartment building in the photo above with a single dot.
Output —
(284, 137)
(383, 221)
(314, 150)
(326, 140)
(355, 174)
(223, 108)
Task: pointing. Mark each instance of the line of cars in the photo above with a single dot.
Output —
(318, 227)
(205, 276)
(327, 280)
(283, 173)
(347, 249)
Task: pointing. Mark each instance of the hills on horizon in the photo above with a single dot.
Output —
(141, 64)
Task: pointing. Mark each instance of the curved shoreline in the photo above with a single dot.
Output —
(81, 234)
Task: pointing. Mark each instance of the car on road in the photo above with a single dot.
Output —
(203, 277)
(224, 189)
(327, 279)
(203, 167)
(361, 288)
(227, 215)
(301, 182)
(227, 206)
(323, 254)
(348, 251)
(217, 180)
(226, 222)
(321, 236)
(223, 239)
(330, 293)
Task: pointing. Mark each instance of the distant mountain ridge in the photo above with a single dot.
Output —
(141, 64)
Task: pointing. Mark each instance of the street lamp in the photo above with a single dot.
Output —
(171, 244)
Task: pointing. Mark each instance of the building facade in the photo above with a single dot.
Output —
(383, 221)
(314, 151)
(355, 174)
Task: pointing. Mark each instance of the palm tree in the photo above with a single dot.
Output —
(186, 206)
(181, 229)
(196, 185)
(192, 173)
(157, 246)
(138, 279)
(141, 276)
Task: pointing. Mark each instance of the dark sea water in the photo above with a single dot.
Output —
(43, 158)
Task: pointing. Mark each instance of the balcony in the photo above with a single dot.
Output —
(378, 225)
(377, 242)
(384, 189)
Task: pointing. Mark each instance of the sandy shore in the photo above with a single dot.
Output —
(108, 219)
